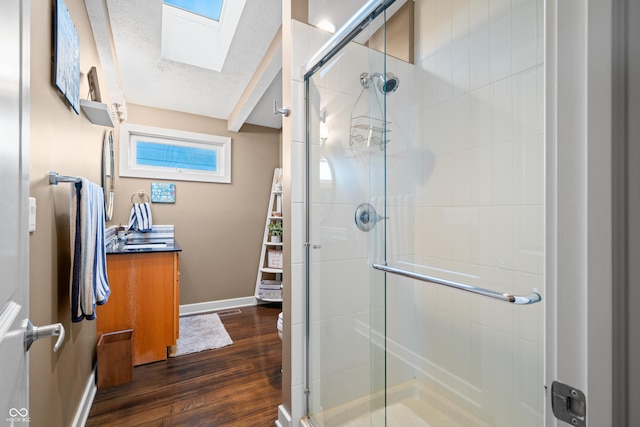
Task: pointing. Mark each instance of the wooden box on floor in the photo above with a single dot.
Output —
(115, 358)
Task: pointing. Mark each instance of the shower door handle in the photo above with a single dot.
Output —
(532, 298)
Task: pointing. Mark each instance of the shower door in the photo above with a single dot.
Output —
(465, 205)
(346, 134)
(426, 223)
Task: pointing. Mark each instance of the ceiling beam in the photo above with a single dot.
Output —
(267, 70)
(101, 26)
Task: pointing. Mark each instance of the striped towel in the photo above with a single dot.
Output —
(140, 218)
(89, 282)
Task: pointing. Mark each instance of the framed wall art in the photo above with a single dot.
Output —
(66, 56)
(163, 192)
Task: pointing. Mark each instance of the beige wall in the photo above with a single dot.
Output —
(398, 35)
(219, 226)
(68, 143)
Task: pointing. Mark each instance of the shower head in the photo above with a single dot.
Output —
(387, 83)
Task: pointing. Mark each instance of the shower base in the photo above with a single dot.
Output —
(410, 404)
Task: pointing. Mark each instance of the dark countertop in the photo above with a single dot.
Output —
(143, 245)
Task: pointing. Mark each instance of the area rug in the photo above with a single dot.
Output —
(201, 332)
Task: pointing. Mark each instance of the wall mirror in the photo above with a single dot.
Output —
(108, 174)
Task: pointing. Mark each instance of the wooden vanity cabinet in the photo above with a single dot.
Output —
(144, 297)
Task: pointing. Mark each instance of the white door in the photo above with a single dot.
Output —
(14, 254)
(16, 332)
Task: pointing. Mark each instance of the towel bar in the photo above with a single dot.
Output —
(532, 298)
(55, 178)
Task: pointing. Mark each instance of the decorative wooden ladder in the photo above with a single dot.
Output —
(269, 279)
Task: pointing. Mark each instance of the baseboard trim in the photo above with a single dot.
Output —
(205, 307)
(82, 414)
(284, 419)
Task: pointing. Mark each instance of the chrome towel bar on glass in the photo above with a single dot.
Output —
(513, 299)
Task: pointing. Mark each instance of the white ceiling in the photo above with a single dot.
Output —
(128, 36)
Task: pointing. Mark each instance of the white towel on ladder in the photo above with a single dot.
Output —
(140, 218)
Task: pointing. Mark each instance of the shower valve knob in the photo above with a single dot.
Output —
(366, 217)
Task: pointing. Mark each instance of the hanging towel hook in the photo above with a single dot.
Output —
(141, 194)
(284, 111)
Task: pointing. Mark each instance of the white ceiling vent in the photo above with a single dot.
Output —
(195, 40)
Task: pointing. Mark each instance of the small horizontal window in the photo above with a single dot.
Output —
(175, 156)
(147, 152)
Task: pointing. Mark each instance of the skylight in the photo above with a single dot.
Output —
(199, 32)
(208, 8)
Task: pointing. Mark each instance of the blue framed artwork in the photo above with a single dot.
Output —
(163, 192)
(66, 69)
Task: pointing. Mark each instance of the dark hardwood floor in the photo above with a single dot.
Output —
(238, 385)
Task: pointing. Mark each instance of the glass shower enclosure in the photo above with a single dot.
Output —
(425, 220)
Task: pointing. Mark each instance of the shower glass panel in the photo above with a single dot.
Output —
(441, 177)
(346, 131)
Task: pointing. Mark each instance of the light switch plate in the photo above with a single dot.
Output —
(32, 214)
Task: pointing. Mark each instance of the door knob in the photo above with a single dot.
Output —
(34, 333)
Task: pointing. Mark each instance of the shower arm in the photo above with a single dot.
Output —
(513, 299)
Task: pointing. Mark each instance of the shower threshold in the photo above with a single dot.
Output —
(411, 404)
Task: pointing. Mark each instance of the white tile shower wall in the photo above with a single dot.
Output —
(478, 207)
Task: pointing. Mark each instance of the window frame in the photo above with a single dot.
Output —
(130, 134)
